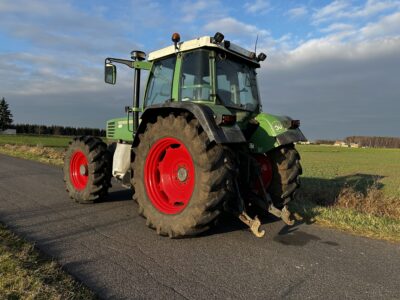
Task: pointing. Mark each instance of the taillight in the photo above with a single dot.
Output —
(295, 124)
(228, 119)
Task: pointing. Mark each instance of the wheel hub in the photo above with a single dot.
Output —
(182, 174)
(83, 170)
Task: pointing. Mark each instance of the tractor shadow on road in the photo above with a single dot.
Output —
(117, 195)
(354, 191)
(314, 192)
(326, 192)
(276, 231)
(293, 236)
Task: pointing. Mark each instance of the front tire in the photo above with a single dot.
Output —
(87, 169)
(179, 177)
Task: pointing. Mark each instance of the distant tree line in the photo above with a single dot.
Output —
(325, 142)
(374, 141)
(57, 130)
(6, 122)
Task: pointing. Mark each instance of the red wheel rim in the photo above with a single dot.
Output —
(169, 175)
(78, 170)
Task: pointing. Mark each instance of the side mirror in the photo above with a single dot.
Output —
(110, 73)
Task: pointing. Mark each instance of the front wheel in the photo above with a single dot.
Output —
(87, 169)
(179, 177)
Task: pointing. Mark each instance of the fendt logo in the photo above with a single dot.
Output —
(277, 126)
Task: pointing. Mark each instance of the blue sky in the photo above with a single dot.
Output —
(333, 64)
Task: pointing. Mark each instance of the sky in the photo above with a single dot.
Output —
(335, 65)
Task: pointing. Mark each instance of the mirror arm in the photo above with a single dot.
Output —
(126, 62)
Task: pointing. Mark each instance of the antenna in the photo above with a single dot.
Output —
(255, 46)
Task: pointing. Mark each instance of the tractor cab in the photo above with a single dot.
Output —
(205, 70)
(208, 71)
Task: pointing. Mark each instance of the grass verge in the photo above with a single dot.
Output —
(47, 155)
(347, 219)
(25, 273)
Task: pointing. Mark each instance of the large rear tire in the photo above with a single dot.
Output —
(87, 169)
(180, 177)
(286, 169)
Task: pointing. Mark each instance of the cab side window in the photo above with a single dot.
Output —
(159, 89)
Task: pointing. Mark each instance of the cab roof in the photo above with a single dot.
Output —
(204, 42)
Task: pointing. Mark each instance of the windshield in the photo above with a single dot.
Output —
(236, 83)
(195, 78)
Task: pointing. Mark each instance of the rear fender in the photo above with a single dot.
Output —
(274, 131)
(203, 113)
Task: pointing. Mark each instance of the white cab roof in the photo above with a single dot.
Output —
(204, 41)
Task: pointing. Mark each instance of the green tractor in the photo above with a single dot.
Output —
(198, 144)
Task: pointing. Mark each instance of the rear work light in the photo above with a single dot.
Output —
(295, 124)
(218, 38)
(228, 119)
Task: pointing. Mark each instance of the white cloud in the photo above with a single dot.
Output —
(190, 10)
(257, 7)
(326, 49)
(388, 25)
(232, 26)
(373, 7)
(331, 10)
(297, 12)
(337, 27)
(339, 9)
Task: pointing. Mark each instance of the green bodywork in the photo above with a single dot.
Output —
(272, 130)
(271, 126)
(263, 139)
(118, 129)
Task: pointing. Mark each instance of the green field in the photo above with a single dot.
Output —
(357, 167)
(356, 190)
(35, 140)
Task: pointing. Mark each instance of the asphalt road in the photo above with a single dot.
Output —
(108, 247)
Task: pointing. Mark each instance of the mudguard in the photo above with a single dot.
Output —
(274, 131)
(203, 113)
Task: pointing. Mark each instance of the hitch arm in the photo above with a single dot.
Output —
(254, 224)
(283, 214)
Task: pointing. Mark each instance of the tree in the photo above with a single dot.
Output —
(5, 115)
